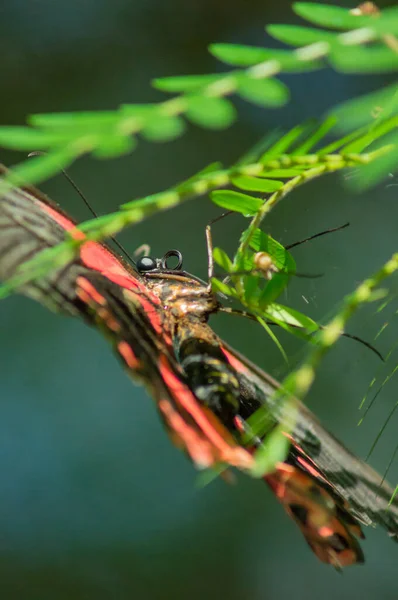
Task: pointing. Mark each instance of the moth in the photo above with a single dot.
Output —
(156, 318)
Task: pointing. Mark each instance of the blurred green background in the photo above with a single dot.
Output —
(95, 503)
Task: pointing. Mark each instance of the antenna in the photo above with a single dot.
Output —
(86, 202)
(312, 237)
(252, 317)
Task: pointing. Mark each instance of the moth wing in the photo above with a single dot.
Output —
(360, 489)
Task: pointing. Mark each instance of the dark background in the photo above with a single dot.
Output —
(94, 501)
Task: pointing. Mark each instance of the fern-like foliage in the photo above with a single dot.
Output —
(296, 158)
(362, 44)
(282, 167)
(349, 42)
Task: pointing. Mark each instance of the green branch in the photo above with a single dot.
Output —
(133, 212)
(202, 99)
(298, 383)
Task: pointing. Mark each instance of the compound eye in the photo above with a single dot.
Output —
(172, 254)
(146, 263)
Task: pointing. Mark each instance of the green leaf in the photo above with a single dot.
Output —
(287, 173)
(239, 55)
(213, 113)
(255, 184)
(163, 128)
(251, 286)
(371, 135)
(371, 174)
(222, 259)
(114, 145)
(282, 259)
(222, 288)
(242, 203)
(187, 183)
(207, 476)
(84, 120)
(292, 317)
(327, 15)
(184, 83)
(284, 143)
(247, 56)
(300, 36)
(26, 138)
(355, 59)
(364, 109)
(264, 92)
(386, 22)
(110, 224)
(315, 137)
(36, 169)
(340, 143)
(211, 168)
(138, 110)
(272, 290)
(335, 17)
(296, 331)
(274, 338)
(253, 154)
(181, 187)
(274, 449)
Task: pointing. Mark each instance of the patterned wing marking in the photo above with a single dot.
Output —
(225, 448)
(358, 492)
(99, 287)
(329, 531)
(31, 222)
(323, 487)
(147, 358)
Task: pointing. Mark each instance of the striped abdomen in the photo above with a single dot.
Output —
(210, 377)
